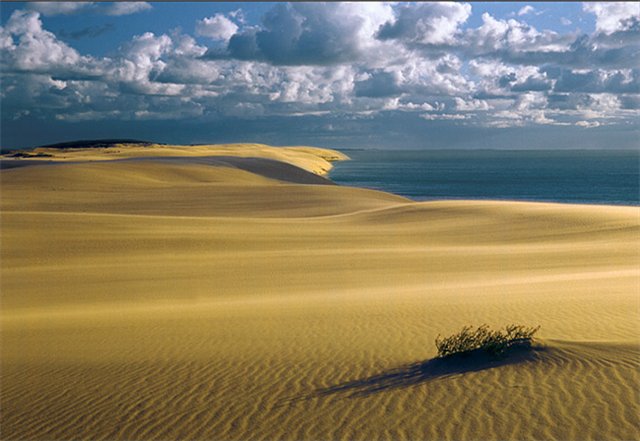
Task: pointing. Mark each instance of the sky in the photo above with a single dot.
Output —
(344, 75)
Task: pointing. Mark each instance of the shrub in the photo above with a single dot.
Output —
(484, 339)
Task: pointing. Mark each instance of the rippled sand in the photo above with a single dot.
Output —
(241, 299)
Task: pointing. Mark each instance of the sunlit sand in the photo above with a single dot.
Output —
(233, 292)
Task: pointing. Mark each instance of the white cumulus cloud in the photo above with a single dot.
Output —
(27, 47)
(614, 16)
(217, 27)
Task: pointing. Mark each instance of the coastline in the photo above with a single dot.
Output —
(566, 176)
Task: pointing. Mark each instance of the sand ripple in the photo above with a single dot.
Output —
(568, 391)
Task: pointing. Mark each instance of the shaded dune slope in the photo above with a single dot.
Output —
(268, 168)
(187, 186)
(234, 298)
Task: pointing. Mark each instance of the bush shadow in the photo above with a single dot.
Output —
(439, 368)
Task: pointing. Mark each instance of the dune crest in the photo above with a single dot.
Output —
(232, 292)
(313, 159)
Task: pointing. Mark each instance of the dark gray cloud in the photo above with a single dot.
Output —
(630, 102)
(379, 84)
(597, 81)
(242, 46)
(426, 23)
(388, 130)
(506, 80)
(532, 84)
(584, 52)
(306, 34)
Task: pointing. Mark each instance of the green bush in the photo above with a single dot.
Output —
(484, 339)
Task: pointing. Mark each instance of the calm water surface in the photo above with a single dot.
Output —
(574, 176)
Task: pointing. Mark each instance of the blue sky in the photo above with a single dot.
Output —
(344, 75)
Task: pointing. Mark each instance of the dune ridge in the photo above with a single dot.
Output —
(200, 298)
(314, 159)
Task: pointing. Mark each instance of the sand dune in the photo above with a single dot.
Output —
(210, 299)
(313, 159)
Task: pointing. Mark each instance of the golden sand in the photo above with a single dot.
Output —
(161, 299)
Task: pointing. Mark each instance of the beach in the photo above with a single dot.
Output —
(234, 292)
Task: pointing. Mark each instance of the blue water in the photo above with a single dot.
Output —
(571, 176)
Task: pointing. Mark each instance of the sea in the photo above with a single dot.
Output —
(609, 177)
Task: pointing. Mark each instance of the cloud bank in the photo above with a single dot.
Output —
(334, 62)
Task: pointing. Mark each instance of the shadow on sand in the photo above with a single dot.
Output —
(425, 371)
